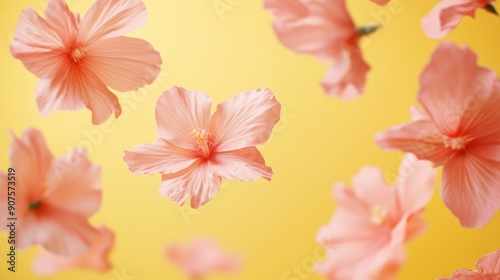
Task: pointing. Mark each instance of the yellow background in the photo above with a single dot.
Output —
(319, 140)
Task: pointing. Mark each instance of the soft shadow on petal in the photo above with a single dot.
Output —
(490, 263)
(245, 164)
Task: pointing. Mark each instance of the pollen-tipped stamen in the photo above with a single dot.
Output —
(78, 53)
(201, 136)
(456, 143)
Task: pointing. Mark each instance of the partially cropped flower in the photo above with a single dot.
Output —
(366, 236)
(203, 257)
(458, 128)
(324, 29)
(54, 197)
(77, 60)
(94, 259)
(195, 150)
(447, 14)
(488, 269)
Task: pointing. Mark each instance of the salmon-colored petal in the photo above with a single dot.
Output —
(452, 86)
(381, 2)
(70, 234)
(415, 225)
(320, 28)
(74, 184)
(62, 20)
(196, 181)
(37, 45)
(465, 274)
(75, 88)
(96, 258)
(179, 111)
(245, 164)
(490, 263)
(346, 78)
(419, 137)
(124, 63)
(159, 157)
(246, 119)
(111, 18)
(419, 114)
(447, 14)
(31, 159)
(415, 184)
(467, 189)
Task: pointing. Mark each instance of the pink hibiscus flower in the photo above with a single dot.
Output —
(96, 258)
(447, 14)
(52, 206)
(195, 150)
(488, 266)
(76, 60)
(324, 29)
(203, 257)
(365, 238)
(458, 128)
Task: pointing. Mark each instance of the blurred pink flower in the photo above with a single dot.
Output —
(96, 258)
(54, 197)
(195, 150)
(447, 14)
(366, 235)
(488, 266)
(458, 128)
(381, 2)
(324, 29)
(76, 60)
(203, 257)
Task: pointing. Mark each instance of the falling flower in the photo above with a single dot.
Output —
(324, 29)
(381, 2)
(54, 197)
(203, 257)
(96, 258)
(458, 129)
(447, 14)
(488, 266)
(195, 150)
(365, 238)
(76, 60)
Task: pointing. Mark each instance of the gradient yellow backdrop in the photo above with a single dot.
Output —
(319, 140)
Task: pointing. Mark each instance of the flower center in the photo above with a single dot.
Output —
(201, 136)
(78, 53)
(35, 204)
(456, 143)
(378, 215)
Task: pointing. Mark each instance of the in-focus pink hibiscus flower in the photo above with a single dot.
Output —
(447, 14)
(195, 150)
(76, 60)
(458, 128)
(96, 258)
(324, 29)
(365, 238)
(488, 266)
(203, 257)
(52, 205)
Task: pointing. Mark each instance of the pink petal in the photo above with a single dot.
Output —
(415, 184)
(415, 225)
(96, 258)
(178, 112)
(320, 28)
(347, 77)
(111, 18)
(245, 164)
(454, 105)
(419, 137)
(4, 213)
(31, 159)
(490, 263)
(124, 63)
(159, 157)
(468, 189)
(196, 181)
(62, 20)
(37, 45)
(447, 14)
(381, 2)
(245, 120)
(465, 274)
(419, 114)
(74, 88)
(74, 184)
